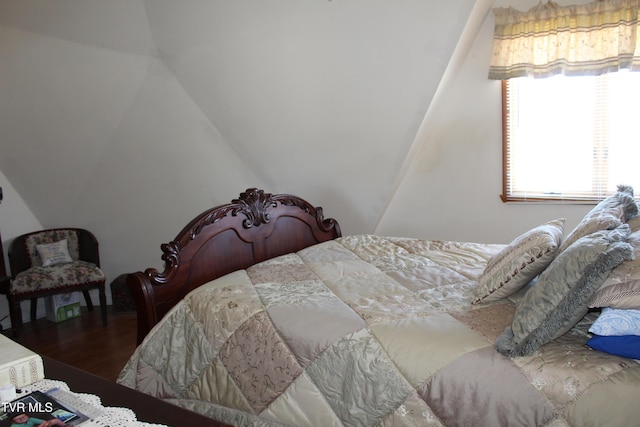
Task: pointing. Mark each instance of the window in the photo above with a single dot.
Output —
(570, 138)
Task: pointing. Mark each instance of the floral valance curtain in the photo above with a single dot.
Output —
(549, 39)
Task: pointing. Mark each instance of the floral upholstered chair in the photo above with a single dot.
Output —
(49, 262)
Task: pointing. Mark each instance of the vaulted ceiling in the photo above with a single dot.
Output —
(132, 116)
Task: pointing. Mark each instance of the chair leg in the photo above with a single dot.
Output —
(87, 299)
(103, 304)
(34, 308)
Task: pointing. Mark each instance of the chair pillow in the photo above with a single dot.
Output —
(517, 264)
(52, 236)
(559, 298)
(54, 253)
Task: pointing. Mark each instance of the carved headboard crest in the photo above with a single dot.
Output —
(253, 203)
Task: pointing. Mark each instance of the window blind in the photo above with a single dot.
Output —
(570, 138)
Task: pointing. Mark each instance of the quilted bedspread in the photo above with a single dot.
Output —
(372, 331)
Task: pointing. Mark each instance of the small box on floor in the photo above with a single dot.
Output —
(63, 307)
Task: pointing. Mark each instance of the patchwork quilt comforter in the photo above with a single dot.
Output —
(372, 331)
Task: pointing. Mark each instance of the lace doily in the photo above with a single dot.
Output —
(89, 404)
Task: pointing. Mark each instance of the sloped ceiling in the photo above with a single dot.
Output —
(129, 117)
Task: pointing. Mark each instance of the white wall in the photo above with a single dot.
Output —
(452, 181)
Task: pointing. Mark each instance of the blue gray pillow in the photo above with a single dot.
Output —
(606, 215)
(560, 296)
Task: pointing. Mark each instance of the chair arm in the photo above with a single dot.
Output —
(88, 247)
(19, 259)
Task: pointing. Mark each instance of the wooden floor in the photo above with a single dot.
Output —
(84, 342)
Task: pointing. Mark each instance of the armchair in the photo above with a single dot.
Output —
(49, 262)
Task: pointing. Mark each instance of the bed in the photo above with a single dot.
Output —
(266, 315)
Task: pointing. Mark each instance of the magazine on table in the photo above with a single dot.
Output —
(46, 409)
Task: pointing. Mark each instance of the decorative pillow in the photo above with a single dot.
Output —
(51, 236)
(625, 346)
(622, 287)
(615, 322)
(54, 253)
(517, 264)
(623, 295)
(601, 220)
(559, 298)
(634, 223)
(606, 215)
(624, 198)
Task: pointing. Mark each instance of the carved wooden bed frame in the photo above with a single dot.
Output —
(253, 228)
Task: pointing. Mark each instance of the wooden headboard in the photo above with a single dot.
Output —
(253, 228)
